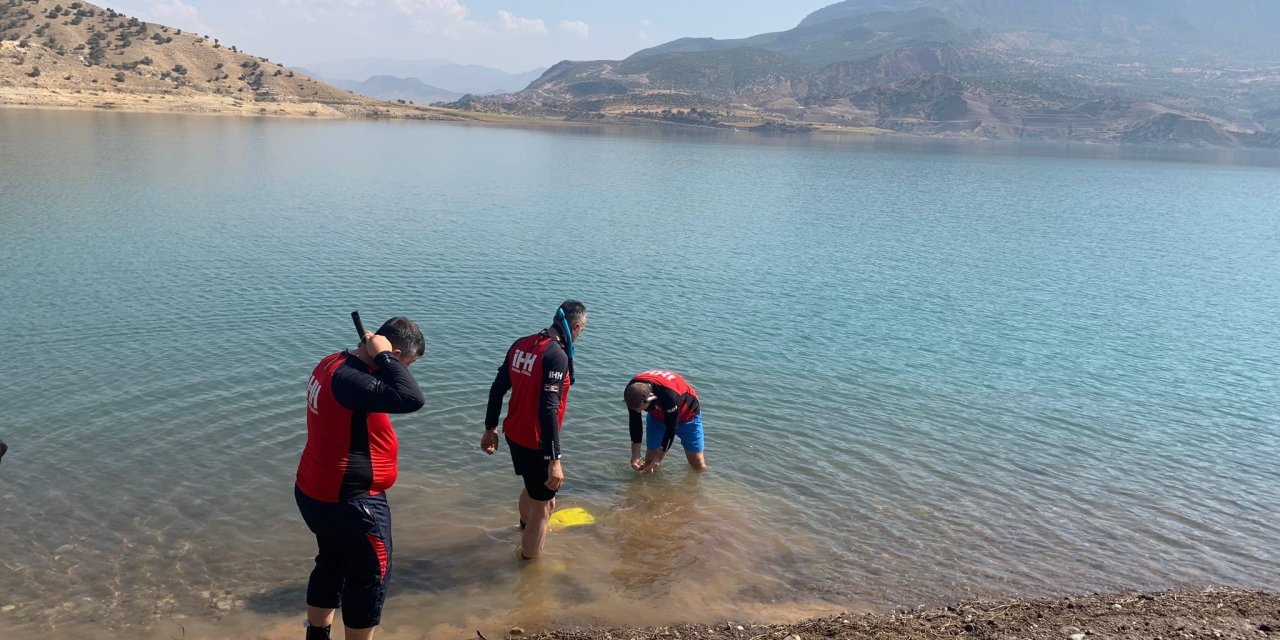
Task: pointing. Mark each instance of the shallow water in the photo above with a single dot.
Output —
(928, 374)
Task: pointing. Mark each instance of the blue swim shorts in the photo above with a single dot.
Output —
(689, 433)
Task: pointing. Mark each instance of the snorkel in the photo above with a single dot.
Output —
(562, 323)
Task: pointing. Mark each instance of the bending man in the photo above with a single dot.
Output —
(674, 410)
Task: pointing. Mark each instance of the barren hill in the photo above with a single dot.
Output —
(77, 54)
(1199, 72)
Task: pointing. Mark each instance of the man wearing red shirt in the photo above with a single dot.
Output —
(674, 410)
(538, 371)
(347, 465)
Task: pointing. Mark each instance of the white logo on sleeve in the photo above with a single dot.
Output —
(660, 373)
(313, 396)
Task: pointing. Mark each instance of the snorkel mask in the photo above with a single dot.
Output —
(562, 323)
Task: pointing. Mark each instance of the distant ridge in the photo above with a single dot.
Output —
(449, 76)
(1196, 72)
(392, 88)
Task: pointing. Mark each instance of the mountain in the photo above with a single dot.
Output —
(1181, 71)
(392, 89)
(455, 78)
(81, 55)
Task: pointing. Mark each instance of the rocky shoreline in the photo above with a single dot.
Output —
(1212, 613)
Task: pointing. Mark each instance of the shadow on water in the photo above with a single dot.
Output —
(460, 565)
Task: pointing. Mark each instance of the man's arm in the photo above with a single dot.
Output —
(670, 404)
(391, 389)
(634, 420)
(555, 369)
(497, 391)
(635, 424)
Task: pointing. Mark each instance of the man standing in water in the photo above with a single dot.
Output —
(538, 370)
(347, 465)
(674, 409)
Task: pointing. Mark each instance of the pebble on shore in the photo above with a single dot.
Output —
(1210, 613)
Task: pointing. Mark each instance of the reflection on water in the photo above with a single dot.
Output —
(652, 528)
(666, 550)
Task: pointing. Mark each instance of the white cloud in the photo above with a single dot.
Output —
(175, 13)
(326, 3)
(531, 26)
(446, 10)
(643, 32)
(450, 19)
(443, 18)
(576, 27)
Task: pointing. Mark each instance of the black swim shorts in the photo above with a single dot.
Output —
(530, 465)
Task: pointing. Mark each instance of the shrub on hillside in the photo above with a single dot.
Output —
(119, 76)
(34, 72)
(179, 69)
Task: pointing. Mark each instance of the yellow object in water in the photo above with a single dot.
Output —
(571, 517)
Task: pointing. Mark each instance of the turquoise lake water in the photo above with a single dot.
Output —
(929, 373)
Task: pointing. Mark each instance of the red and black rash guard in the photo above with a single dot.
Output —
(536, 371)
(351, 448)
(677, 404)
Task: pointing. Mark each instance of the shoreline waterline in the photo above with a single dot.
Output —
(833, 138)
(1216, 612)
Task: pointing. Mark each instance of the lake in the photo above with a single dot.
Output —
(930, 372)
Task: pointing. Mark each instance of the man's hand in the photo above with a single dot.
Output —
(652, 460)
(555, 476)
(375, 344)
(637, 458)
(489, 441)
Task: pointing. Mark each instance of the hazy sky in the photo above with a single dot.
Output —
(513, 35)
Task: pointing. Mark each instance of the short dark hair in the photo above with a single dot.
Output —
(574, 311)
(404, 335)
(636, 393)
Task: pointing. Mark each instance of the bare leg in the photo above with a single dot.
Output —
(535, 531)
(319, 617)
(358, 634)
(526, 507)
(697, 460)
